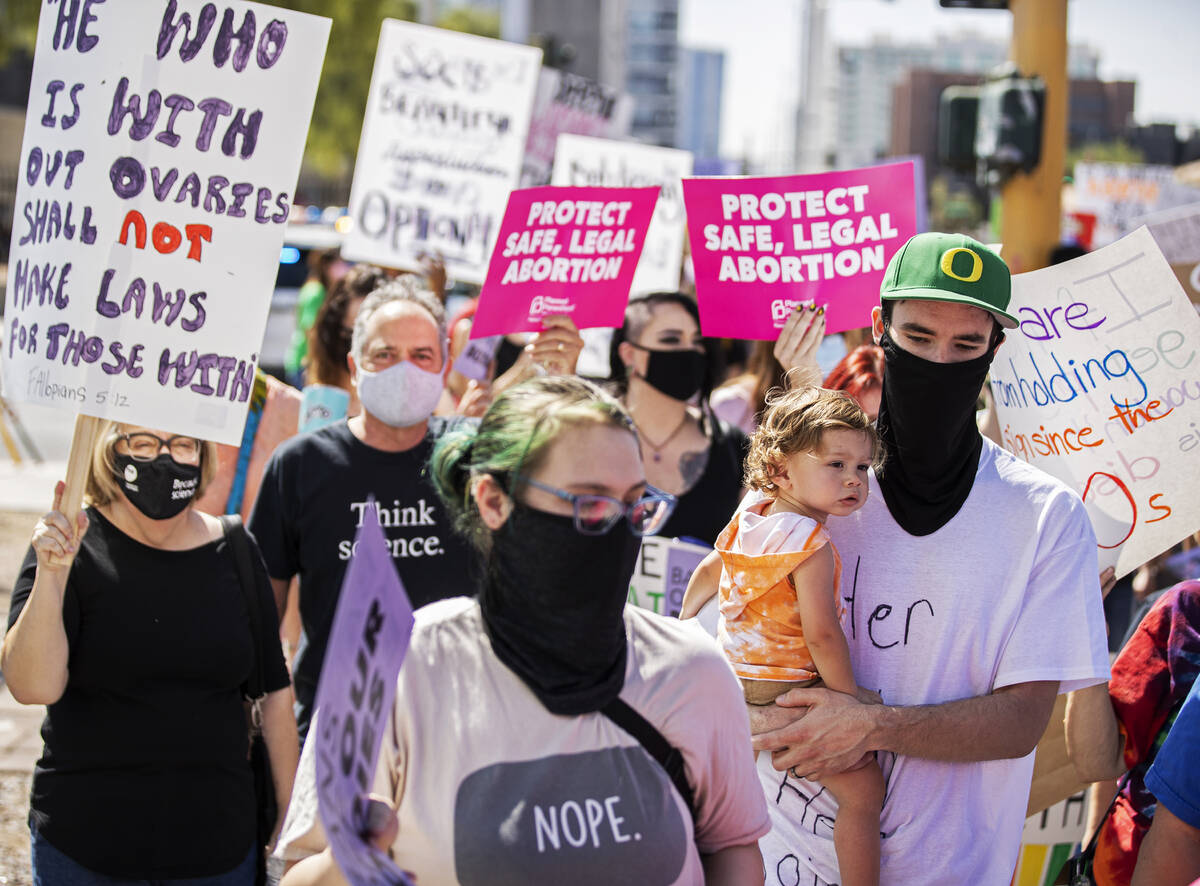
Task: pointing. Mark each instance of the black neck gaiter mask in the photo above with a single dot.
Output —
(927, 422)
(553, 605)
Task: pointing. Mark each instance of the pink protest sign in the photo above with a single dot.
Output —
(567, 251)
(370, 635)
(762, 245)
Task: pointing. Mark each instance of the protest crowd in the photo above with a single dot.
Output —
(544, 567)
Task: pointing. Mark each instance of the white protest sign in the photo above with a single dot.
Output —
(661, 575)
(568, 103)
(1100, 387)
(584, 161)
(442, 143)
(1177, 233)
(1119, 193)
(161, 149)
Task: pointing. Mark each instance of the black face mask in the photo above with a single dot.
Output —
(927, 422)
(553, 605)
(160, 488)
(678, 374)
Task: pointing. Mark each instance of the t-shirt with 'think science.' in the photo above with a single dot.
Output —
(313, 499)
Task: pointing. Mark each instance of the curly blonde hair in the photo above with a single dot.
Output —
(795, 422)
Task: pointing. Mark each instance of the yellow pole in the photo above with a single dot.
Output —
(1032, 203)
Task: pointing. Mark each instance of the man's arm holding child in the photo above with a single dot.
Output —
(838, 730)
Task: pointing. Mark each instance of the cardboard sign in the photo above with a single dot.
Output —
(160, 155)
(661, 576)
(368, 641)
(442, 143)
(1119, 193)
(593, 162)
(1100, 387)
(760, 246)
(568, 103)
(565, 251)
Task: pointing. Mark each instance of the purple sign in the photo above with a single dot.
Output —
(370, 637)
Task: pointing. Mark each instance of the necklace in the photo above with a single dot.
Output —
(656, 449)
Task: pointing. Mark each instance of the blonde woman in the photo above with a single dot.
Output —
(133, 629)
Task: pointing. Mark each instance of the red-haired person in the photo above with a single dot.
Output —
(860, 374)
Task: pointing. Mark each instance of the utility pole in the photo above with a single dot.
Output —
(1032, 202)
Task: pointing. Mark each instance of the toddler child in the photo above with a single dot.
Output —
(780, 603)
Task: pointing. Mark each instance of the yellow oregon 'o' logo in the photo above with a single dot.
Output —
(948, 264)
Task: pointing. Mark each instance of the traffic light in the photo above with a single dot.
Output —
(958, 110)
(1008, 132)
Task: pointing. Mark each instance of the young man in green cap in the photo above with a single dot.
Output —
(971, 591)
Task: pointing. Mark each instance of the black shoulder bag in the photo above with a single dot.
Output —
(266, 806)
(655, 744)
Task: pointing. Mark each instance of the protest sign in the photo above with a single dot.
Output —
(160, 153)
(1177, 233)
(565, 251)
(1119, 193)
(661, 575)
(598, 162)
(475, 361)
(1100, 387)
(442, 142)
(367, 644)
(568, 103)
(760, 246)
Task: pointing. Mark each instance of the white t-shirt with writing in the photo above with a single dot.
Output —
(491, 788)
(1007, 592)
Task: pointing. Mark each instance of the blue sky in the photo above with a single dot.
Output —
(1154, 42)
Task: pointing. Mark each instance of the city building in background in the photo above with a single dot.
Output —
(868, 75)
(698, 118)
(629, 45)
(1099, 112)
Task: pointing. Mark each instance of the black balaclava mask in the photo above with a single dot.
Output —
(927, 422)
(161, 488)
(553, 604)
(678, 374)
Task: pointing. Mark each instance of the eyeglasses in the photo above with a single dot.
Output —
(144, 446)
(596, 514)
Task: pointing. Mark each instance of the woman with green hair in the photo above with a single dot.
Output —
(545, 732)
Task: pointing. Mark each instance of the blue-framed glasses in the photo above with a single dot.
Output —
(596, 514)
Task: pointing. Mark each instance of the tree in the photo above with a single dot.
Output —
(1102, 152)
(470, 20)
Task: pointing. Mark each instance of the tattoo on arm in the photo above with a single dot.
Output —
(691, 467)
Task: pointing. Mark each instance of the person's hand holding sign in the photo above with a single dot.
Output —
(54, 540)
(796, 348)
(558, 346)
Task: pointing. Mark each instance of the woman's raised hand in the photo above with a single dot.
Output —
(558, 346)
(796, 348)
(54, 541)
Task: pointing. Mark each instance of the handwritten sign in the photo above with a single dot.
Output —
(1119, 193)
(160, 152)
(661, 576)
(760, 246)
(598, 162)
(1100, 387)
(442, 143)
(567, 251)
(569, 103)
(370, 636)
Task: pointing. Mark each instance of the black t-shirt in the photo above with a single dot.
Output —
(144, 773)
(311, 502)
(703, 510)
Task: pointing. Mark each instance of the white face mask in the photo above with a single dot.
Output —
(400, 396)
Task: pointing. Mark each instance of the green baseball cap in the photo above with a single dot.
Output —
(954, 268)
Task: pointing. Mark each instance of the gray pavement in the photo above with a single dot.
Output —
(20, 733)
